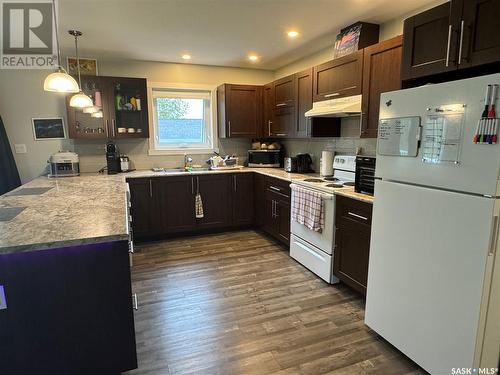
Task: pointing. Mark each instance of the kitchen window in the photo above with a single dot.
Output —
(182, 120)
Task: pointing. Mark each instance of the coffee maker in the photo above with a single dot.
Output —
(112, 158)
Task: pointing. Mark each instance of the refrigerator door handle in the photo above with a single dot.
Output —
(494, 236)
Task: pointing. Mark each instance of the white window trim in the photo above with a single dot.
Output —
(188, 150)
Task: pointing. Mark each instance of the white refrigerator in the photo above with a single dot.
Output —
(434, 271)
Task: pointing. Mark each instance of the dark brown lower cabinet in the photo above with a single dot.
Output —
(276, 220)
(215, 191)
(163, 206)
(69, 311)
(243, 199)
(352, 242)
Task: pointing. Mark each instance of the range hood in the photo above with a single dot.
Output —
(342, 107)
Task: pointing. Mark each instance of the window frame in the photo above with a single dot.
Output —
(154, 148)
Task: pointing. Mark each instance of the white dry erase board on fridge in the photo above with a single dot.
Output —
(399, 136)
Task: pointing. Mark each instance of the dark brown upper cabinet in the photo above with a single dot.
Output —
(453, 36)
(481, 39)
(122, 103)
(304, 100)
(338, 78)
(284, 92)
(381, 67)
(430, 43)
(268, 108)
(284, 116)
(239, 111)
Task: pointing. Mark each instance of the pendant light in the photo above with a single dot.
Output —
(79, 100)
(59, 81)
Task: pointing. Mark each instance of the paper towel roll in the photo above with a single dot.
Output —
(326, 163)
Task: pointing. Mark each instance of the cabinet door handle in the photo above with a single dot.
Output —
(234, 179)
(229, 127)
(281, 134)
(461, 42)
(308, 127)
(448, 46)
(192, 185)
(274, 208)
(113, 127)
(357, 216)
(334, 94)
(280, 104)
(269, 127)
(197, 184)
(107, 128)
(275, 188)
(136, 302)
(150, 189)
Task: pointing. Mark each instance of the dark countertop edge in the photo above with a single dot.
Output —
(27, 248)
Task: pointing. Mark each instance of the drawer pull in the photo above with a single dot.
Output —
(334, 94)
(280, 104)
(281, 134)
(275, 188)
(136, 303)
(357, 216)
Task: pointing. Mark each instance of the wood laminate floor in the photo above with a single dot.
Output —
(236, 303)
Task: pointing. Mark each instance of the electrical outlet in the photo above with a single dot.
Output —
(20, 148)
(3, 301)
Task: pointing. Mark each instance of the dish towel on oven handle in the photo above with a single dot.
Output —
(198, 206)
(308, 208)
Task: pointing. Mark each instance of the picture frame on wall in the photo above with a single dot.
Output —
(88, 67)
(48, 128)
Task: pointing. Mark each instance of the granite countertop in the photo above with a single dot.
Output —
(87, 209)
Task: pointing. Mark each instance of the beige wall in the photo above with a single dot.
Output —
(22, 97)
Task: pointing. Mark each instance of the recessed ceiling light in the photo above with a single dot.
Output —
(186, 56)
(253, 58)
(293, 33)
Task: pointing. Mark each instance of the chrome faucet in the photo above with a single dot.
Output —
(187, 159)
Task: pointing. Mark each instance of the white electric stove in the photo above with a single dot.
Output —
(315, 250)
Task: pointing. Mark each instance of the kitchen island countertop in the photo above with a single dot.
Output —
(90, 208)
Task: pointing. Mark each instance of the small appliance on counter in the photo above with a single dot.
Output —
(124, 163)
(290, 164)
(365, 174)
(112, 158)
(304, 163)
(64, 164)
(264, 158)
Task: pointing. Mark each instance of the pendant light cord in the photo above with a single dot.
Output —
(57, 36)
(78, 61)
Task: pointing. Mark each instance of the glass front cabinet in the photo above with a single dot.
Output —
(120, 109)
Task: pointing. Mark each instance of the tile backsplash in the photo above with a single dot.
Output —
(93, 155)
(347, 144)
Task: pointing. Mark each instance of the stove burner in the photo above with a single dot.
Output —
(336, 186)
(313, 180)
(331, 179)
(349, 183)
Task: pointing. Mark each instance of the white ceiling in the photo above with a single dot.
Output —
(216, 32)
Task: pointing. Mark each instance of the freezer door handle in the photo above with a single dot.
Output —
(494, 236)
